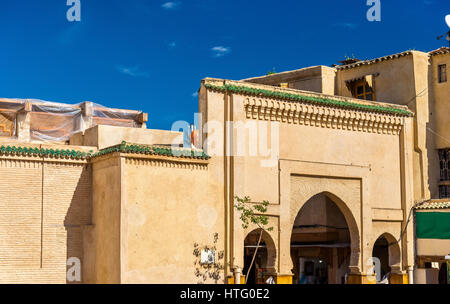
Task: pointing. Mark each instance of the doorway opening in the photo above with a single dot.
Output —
(443, 274)
(387, 251)
(320, 243)
(263, 265)
(381, 251)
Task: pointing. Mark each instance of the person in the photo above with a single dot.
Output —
(385, 279)
(270, 280)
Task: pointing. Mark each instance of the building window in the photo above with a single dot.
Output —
(444, 191)
(444, 164)
(442, 73)
(362, 90)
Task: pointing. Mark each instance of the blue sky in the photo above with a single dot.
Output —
(150, 55)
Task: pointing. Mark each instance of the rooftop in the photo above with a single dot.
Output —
(293, 95)
(440, 51)
(372, 61)
(435, 204)
(285, 76)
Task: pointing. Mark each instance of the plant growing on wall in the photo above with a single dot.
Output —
(210, 270)
(253, 214)
(271, 72)
(350, 58)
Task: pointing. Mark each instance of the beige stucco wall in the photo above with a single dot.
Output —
(102, 136)
(441, 94)
(106, 218)
(439, 126)
(398, 71)
(409, 78)
(149, 212)
(433, 247)
(404, 81)
(320, 79)
(170, 206)
(426, 276)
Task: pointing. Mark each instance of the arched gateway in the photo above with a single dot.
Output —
(323, 235)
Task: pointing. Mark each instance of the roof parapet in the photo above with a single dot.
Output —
(130, 148)
(245, 88)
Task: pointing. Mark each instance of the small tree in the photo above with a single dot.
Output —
(254, 214)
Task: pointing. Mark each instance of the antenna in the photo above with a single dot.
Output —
(447, 36)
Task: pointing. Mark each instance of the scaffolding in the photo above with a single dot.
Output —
(37, 120)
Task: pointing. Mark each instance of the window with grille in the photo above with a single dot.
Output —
(442, 73)
(444, 191)
(362, 90)
(444, 164)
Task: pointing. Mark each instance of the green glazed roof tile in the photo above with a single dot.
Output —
(310, 99)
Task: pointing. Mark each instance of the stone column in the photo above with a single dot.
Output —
(237, 275)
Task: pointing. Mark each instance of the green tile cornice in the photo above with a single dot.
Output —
(290, 96)
(43, 152)
(122, 148)
(152, 150)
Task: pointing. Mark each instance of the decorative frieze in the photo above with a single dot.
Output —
(19, 163)
(130, 160)
(324, 117)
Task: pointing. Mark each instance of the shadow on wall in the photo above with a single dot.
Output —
(432, 153)
(78, 215)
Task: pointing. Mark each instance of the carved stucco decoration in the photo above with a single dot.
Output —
(324, 117)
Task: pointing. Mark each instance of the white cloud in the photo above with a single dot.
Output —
(219, 51)
(170, 5)
(131, 71)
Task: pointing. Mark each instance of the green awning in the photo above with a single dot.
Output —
(433, 225)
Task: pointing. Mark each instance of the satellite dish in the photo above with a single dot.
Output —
(447, 19)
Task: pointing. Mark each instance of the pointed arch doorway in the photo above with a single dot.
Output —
(320, 243)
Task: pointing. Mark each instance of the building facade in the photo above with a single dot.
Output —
(342, 154)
